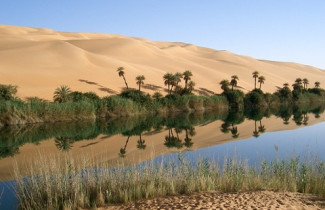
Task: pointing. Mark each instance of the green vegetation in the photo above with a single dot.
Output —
(64, 183)
(74, 105)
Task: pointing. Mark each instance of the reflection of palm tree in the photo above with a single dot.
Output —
(305, 119)
(256, 133)
(234, 131)
(172, 141)
(63, 143)
(225, 127)
(188, 141)
(123, 149)
(141, 143)
(298, 118)
(286, 120)
(261, 128)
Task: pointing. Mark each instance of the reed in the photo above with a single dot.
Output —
(62, 182)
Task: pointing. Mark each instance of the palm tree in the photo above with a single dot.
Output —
(298, 81)
(305, 82)
(187, 76)
(178, 77)
(121, 73)
(286, 85)
(261, 80)
(255, 76)
(157, 95)
(317, 84)
(141, 143)
(297, 86)
(173, 82)
(168, 77)
(191, 86)
(140, 79)
(224, 85)
(233, 81)
(62, 94)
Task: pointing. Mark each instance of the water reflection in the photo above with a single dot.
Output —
(180, 128)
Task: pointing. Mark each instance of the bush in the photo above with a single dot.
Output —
(7, 92)
(235, 97)
(255, 98)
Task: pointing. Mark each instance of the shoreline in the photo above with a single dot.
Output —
(240, 200)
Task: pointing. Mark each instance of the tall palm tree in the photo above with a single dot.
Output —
(62, 94)
(224, 85)
(298, 81)
(261, 80)
(255, 76)
(173, 82)
(121, 73)
(191, 86)
(187, 76)
(233, 81)
(140, 80)
(305, 82)
(178, 77)
(168, 77)
(317, 84)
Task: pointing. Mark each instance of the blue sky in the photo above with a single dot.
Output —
(284, 30)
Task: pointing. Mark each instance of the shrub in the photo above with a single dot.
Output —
(7, 92)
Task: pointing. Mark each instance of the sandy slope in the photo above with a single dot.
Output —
(39, 60)
(242, 200)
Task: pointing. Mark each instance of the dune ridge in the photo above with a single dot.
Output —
(38, 60)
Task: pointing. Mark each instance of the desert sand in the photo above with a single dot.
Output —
(39, 60)
(241, 200)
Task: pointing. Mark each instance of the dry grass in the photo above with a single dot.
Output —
(63, 183)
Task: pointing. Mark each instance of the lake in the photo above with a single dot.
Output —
(252, 135)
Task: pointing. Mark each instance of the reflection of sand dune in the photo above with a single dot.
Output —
(39, 60)
(107, 148)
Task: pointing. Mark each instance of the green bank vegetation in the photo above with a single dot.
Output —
(64, 183)
(74, 105)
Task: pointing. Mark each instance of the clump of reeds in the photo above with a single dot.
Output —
(63, 183)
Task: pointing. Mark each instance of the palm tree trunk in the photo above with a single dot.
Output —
(139, 86)
(126, 84)
(260, 85)
(255, 82)
(186, 84)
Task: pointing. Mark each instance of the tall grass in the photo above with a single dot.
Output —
(64, 183)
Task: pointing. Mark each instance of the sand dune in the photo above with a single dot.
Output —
(39, 60)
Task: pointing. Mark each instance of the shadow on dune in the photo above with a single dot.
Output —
(101, 87)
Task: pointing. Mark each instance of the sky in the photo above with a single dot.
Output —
(282, 30)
